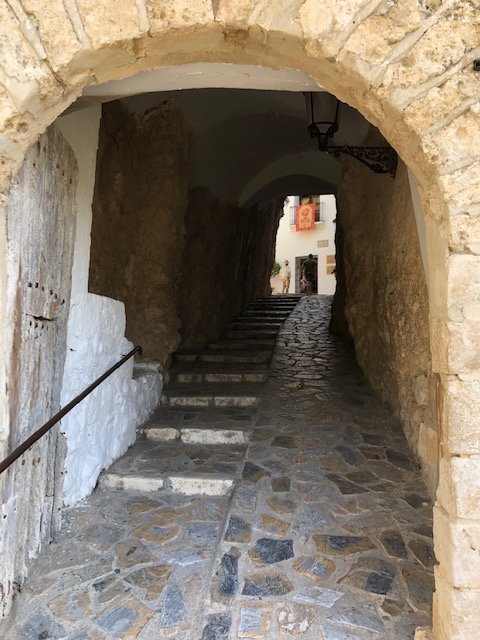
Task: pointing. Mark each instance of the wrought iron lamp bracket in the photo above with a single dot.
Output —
(377, 159)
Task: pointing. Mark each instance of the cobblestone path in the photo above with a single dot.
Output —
(327, 535)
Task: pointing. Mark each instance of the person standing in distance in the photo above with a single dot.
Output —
(285, 275)
(309, 274)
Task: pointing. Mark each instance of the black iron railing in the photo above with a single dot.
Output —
(16, 453)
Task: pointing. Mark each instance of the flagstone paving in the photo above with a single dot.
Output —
(327, 535)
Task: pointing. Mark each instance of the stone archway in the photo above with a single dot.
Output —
(408, 69)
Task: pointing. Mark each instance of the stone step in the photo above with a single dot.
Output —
(252, 334)
(202, 417)
(221, 372)
(278, 299)
(274, 301)
(176, 467)
(172, 398)
(196, 435)
(287, 306)
(212, 395)
(247, 323)
(272, 305)
(256, 317)
(269, 313)
(242, 343)
(269, 310)
(243, 356)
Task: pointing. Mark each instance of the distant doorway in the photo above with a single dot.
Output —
(299, 288)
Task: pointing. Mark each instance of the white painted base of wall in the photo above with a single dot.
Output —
(103, 426)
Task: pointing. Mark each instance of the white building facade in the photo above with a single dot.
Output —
(295, 246)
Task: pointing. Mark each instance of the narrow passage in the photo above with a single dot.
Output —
(327, 535)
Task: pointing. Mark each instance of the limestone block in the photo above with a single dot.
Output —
(459, 486)
(464, 346)
(426, 59)
(196, 485)
(464, 309)
(457, 549)
(280, 15)
(9, 149)
(375, 36)
(15, 123)
(213, 436)
(29, 93)
(443, 102)
(232, 12)
(172, 14)
(109, 21)
(55, 29)
(460, 415)
(8, 111)
(457, 141)
(465, 233)
(326, 27)
(460, 188)
(456, 612)
(162, 434)
(19, 38)
(131, 483)
(23, 71)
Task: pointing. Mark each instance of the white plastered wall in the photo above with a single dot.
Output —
(292, 244)
(102, 426)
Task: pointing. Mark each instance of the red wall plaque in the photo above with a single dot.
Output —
(305, 218)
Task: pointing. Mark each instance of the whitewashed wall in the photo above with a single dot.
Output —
(103, 426)
(292, 244)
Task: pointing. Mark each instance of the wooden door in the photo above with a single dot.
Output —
(40, 236)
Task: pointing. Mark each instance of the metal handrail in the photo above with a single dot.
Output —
(16, 453)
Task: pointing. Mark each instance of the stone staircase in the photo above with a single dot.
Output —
(195, 441)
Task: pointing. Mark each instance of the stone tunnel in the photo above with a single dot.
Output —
(142, 200)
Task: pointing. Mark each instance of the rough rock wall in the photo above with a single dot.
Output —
(227, 262)
(338, 321)
(138, 232)
(263, 236)
(182, 261)
(386, 300)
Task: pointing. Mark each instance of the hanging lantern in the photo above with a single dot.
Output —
(323, 111)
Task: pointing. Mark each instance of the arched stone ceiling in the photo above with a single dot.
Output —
(248, 123)
(232, 154)
(289, 185)
(306, 172)
(238, 135)
(202, 75)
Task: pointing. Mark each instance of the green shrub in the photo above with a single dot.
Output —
(276, 268)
